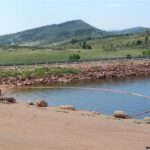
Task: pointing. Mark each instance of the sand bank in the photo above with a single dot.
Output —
(31, 128)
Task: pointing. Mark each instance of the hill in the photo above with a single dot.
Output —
(108, 47)
(112, 43)
(52, 34)
(133, 30)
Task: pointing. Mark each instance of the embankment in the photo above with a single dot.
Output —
(83, 71)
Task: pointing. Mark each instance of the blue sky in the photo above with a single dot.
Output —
(18, 15)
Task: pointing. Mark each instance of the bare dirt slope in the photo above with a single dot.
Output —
(25, 127)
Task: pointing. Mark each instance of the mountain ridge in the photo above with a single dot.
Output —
(55, 33)
(52, 33)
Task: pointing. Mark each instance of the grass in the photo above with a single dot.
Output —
(25, 56)
(119, 46)
(36, 72)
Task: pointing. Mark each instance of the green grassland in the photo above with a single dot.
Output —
(26, 56)
(35, 72)
(109, 47)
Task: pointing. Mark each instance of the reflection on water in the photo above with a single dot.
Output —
(105, 99)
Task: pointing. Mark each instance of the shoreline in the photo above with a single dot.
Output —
(87, 72)
(33, 128)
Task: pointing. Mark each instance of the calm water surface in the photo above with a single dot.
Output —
(100, 96)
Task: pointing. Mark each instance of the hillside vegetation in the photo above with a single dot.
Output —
(44, 36)
(120, 46)
(57, 34)
(72, 40)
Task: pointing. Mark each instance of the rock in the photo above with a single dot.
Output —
(19, 84)
(120, 114)
(95, 113)
(30, 103)
(147, 120)
(42, 103)
(7, 100)
(67, 107)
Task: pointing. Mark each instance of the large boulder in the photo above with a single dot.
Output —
(67, 107)
(120, 114)
(147, 120)
(42, 103)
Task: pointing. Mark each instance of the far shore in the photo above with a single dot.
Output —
(75, 72)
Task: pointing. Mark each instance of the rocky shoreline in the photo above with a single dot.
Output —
(93, 71)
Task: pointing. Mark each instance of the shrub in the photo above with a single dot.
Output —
(89, 47)
(128, 56)
(74, 41)
(74, 57)
(139, 42)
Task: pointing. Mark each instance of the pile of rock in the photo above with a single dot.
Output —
(120, 114)
(42, 103)
(7, 100)
(30, 103)
(67, 107)
(147, 120)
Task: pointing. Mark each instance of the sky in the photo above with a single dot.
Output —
(18, 15)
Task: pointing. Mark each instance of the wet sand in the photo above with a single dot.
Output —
(31, 128)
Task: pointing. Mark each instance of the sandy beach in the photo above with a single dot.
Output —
(31, 128)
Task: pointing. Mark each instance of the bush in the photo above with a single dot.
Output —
(139, 42)
(74, 57)
(74, 41)
(89, 47)
(128, 56)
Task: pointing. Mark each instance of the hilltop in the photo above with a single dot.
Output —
(52, 34)
(58, 34)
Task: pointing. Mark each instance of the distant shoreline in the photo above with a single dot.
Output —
(79, 72)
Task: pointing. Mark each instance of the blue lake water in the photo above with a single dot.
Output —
(101, 96)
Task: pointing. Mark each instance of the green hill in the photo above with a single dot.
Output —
(133, 30)
(59, 34)
(120, 42)
(108, 47)
(56, 33)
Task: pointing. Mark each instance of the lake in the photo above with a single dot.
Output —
(130, 95)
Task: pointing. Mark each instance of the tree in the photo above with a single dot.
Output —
(146, 39)
(128, 56)
(73, 41)
(89, 47)
(84, 45)
(139, 42)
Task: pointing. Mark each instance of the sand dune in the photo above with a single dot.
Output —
(31, 128)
